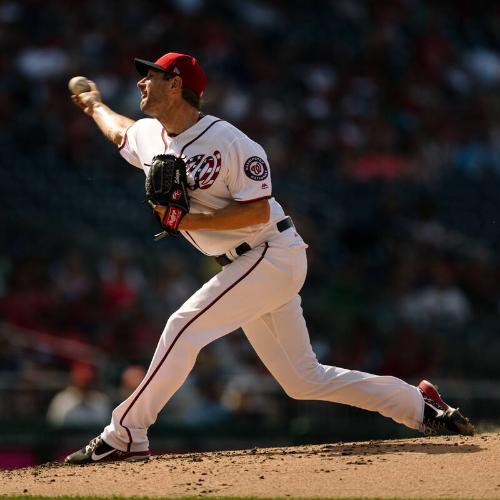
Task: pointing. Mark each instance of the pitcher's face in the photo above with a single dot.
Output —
(157, 91)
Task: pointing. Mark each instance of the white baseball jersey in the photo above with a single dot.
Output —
(223, 164)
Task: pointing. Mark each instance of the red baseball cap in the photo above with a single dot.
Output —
(187, 67)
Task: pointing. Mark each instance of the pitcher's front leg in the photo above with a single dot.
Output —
(172, 362)
(217, 309)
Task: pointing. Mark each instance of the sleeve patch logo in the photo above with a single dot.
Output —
(256, 168)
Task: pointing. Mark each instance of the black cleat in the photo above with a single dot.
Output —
(99, 451)
(439, 416)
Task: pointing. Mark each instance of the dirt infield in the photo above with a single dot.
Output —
(452, 467)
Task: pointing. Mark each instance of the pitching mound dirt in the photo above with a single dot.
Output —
(453, 467)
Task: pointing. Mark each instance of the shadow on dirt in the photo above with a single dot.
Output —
(363, 449)
(384, 449)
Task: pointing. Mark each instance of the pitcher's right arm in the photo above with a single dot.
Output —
(113, 125)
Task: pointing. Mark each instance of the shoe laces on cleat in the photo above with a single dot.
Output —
(93, 444)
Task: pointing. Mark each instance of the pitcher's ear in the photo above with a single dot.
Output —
(176, 82)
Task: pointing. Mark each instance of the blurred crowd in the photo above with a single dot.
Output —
(381, 120)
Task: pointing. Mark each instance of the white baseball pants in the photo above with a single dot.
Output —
(258, 291)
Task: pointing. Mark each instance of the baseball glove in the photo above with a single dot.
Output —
(166, 185)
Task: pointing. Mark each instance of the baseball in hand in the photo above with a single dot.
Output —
(79, 84)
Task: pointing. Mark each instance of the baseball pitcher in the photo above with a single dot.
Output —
(209, 182)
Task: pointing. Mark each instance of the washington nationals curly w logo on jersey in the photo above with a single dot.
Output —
(202, 170)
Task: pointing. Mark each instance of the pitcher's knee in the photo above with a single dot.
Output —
(177, 335)
(176, 322)
(301, 390)
(305, 391)
(295, 392)
(307, 384)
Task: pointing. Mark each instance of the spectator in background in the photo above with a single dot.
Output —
(80, 403)
(442, 301)
(130, 379)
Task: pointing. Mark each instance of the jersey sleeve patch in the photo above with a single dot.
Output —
(256, 169)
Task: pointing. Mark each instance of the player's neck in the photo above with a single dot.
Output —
(176, 120)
